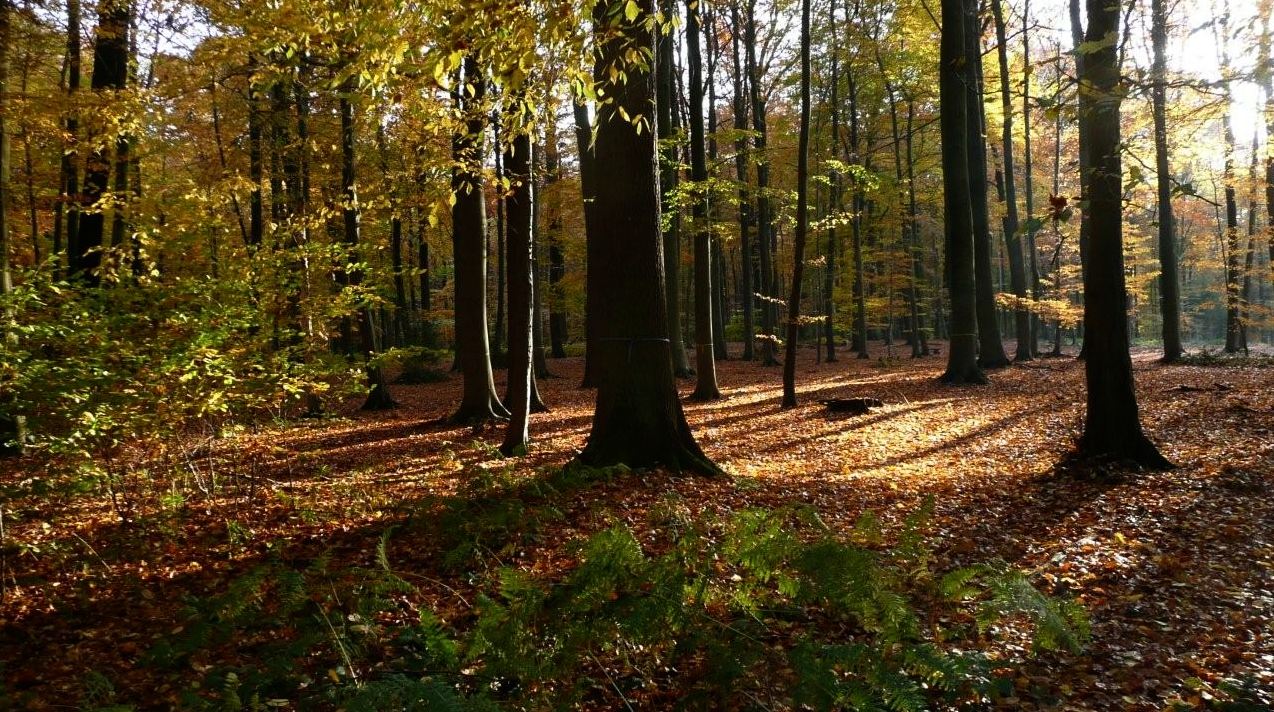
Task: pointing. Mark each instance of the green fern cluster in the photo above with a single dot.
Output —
(763, 608)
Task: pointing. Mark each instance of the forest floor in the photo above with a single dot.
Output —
(1175, 568)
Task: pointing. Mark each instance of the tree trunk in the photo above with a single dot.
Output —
(746, 296)
(719, 300)
(501, 258)
(1012, 237)
(479, 401)
(859, 340)
(917, 264)
(587, 181)
(10, 423)
(834, 199)
(705, 360)
(557, 256)
(638, 420)
(955, 79)
(69, 179)
(802, 217)
(1085, 223)
(764, 218)
(1112, 427)
(110, 74)
(1029, 173)
(990, 347)
(1169, 294)
(517, 167)
(668, 125)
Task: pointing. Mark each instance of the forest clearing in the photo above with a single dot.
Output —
(1176, 569)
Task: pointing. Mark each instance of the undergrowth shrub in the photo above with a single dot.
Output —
(760, 608)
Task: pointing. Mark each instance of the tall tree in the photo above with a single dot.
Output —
(468, 220)
(557, 254)
(705, 360)
(10, 430)
(955, 79)
(668, 125)
(1234, 327)
(1028, 173)
(69, 177)
(802, 217)
(990, 347)
(638, 420)
(587, 181)
(764, 209)
(1265, 63)
(517, 166)
(1012, 236)
(1169, 289)
(741, 174)
(1112, 427)
(834, 198)
(110, 75)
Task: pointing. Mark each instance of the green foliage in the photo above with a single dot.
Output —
(761, 605)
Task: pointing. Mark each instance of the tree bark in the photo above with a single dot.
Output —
(1012, 235)
(705, 360)
(517, 167)
(1169, 289)
(834, 198)
(10, 422)
(1112, 427)
(746, 296)
(557, 255)
(638, 420)
(587, 181)
(479, 401)
(955, 79)
(764, 217)
(668, 125)
(802, 217)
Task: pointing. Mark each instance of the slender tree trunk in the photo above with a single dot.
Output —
(587, 180)
(468, 217)
(705, 360)
(990, 347)
(802, 217)
(539, 357)
(859, 340)
(719, 300)
(501, 258)
(956, 77)
(834, 198)
(917, 264)
(638, 420)
(517, 166)
(1266, 75)
(69, 179)
(745, 290)
(1169, 295)
(764, 218)
(1029, 173)
(557, 255)
(10, 422)
(668, 125)
(1112, 427)
(1012, 237)
(1085, 223)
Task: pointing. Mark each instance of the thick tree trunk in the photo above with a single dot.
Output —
(1112, 427)
(705, 360)
(1012, 237)
(638, 419)
(1169, 289)
(517, 166)
(745, 290)
(802, 217)
(468, 218)
(955, 79)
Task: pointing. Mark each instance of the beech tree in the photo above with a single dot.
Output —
(802, 217)
(638, 420)
(517, 166)
(705, 359)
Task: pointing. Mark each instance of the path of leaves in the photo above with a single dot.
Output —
(1176, 568)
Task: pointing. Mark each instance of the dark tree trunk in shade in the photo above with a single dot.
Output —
(834, 201)
(501, 257)
(517, 167)
(69, 177)
(802, 217)
(1012, 235)
(917, 264)
(402, 307)
(10, 424)
(720, 350)
(638, 420)
(557, 256)
(539, 358)
(1112, 427)
(746, 296)
(1085, 224)
(1032, 249)
(990, 347)
(378, 397)
(587, 181)
(668, 125)
(858, 341)
(705, 360)
(764, 213)
(110, 73)
(468, 218)
(1169, 283)
(955, 79)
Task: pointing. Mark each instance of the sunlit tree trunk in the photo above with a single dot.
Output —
(1085, 223)
(990, 347)
(638, 420)
(1112, 427)
(668, 125)
(705, 361)
(1012, 235)
(1032, 250)
(517, 167)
